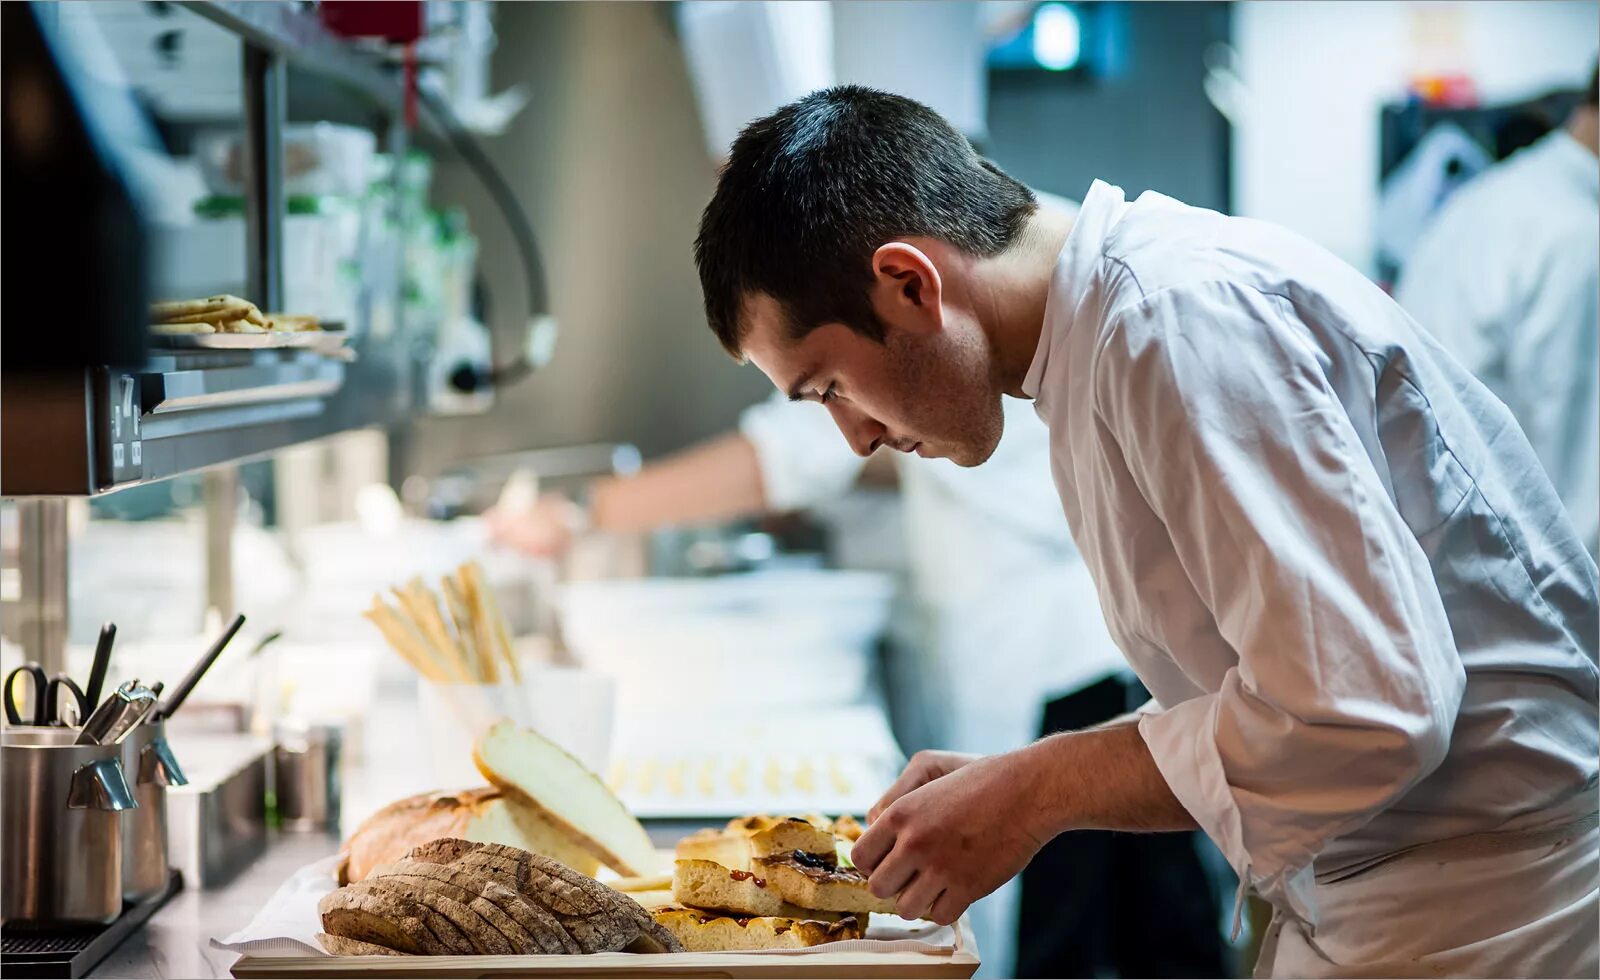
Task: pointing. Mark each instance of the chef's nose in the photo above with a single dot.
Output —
(863, 432)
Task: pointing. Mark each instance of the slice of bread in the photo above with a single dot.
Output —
(705, 932)
(708, 885)
(340, 946)
(531, 768)
(815, 885)
(746, 838)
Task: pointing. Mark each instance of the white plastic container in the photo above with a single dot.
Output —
(571, 707)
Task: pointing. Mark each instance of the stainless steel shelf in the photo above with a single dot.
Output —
(184, 411)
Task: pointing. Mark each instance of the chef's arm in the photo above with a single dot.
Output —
(1103, 778)
(1346, 685)
(714, 481)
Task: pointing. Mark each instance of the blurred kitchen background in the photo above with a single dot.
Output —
(774, 657)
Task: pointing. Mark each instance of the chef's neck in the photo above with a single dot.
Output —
(1012, 291)
(1584, 126)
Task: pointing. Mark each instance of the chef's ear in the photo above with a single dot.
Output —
(906, 288)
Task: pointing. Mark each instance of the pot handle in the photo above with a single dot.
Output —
(100, 785)
(158, 765)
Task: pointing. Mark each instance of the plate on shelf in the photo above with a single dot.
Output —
(325, 341)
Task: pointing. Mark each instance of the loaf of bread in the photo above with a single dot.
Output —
(486, 815)
(542, 775)
(699, 931)
(453, 896)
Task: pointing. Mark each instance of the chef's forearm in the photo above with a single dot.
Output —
(1103, 779)
(717, 480)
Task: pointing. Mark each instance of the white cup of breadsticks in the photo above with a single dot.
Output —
(224, 314)
(469, 675)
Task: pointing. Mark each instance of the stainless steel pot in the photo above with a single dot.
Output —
(60, 835)
(149, 764)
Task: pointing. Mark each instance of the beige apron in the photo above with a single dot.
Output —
(1518, 904)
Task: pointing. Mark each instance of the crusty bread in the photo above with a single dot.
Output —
(540, 773)
(382, 920)
(447, 920)
(820, 886)
(512, 938)
(701, 932)
(340, 946)
(598, 918)
(484, 815)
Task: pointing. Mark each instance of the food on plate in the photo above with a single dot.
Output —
(464, 640)
(764, 882)
(746, 838)
(642, 883)
(538, 772)
(211, 309)
(225, 314)
(483, 815)
(293, 322)
(709, 885)
(700, 931)
(804, 880)
(453, 896)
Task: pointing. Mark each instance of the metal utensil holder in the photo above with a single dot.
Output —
(150, 766)
(60, 828)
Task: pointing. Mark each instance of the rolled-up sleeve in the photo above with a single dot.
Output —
(1347, 683)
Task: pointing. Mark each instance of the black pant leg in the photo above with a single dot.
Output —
(1106, 904)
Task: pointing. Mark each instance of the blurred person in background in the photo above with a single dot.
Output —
(1507, 277)
(996, 582)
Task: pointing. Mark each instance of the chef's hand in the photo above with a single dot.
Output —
(545, 530)
(924, 767)
(962, 828)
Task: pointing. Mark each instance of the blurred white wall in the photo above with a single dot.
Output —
(1316, 74)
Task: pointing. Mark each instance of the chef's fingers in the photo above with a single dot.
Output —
(893, 874)
(871, 846)
(947, 908)
(918, 897)
(918, 771)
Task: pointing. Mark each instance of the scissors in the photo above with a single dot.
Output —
(46, 697)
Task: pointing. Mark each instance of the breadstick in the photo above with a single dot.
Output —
(461, 613)
(416, 600)
(411, 648)
(501, 634)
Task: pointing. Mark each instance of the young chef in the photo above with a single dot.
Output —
(1508, 278)
(996, 583)
(1330, 554)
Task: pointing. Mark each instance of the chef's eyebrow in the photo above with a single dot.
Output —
(797, 391)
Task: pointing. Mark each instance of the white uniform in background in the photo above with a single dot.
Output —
(1508, 278)
(1330, 554)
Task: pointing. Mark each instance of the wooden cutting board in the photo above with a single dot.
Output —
(961, 963)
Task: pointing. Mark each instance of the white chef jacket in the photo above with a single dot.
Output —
(1507, 276)
(1330, 554)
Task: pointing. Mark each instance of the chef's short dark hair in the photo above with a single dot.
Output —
(1593, 94)
(810, 192)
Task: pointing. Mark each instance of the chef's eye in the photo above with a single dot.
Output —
(830, 393)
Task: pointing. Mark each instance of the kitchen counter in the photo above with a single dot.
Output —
(176, 942)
